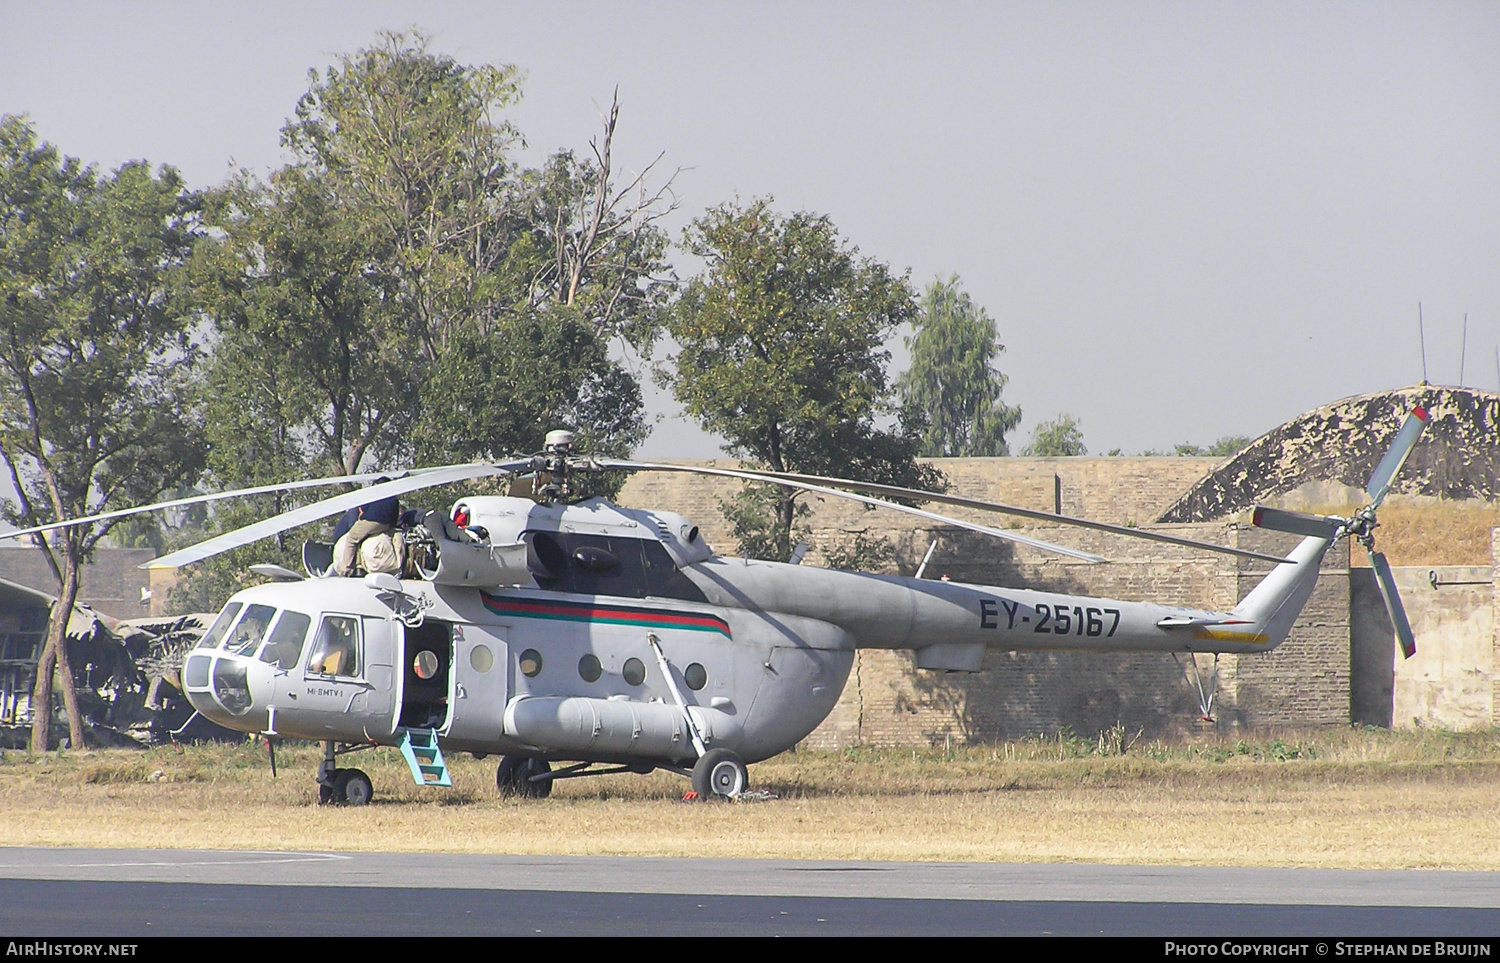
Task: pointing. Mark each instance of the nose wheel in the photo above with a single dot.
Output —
(342, 787)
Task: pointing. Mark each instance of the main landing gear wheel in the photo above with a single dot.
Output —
(352, 788)
(720, 772)
(514, 777)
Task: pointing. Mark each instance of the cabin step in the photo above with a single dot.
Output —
(420, 747)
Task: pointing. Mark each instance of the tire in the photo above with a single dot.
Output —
(721, 773)
(513, 778)
(352, 788)
(325, 795)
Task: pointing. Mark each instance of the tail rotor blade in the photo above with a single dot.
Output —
(1406, 439)
(1297, 523)
(1393, 607)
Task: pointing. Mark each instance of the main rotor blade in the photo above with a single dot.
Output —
(265, 528)
(1393, 606)
(1297, 523)
(919, 495)
(201, 499)
(878, 503)
(1406, 439)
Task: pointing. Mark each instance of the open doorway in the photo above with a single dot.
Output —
(427, 658)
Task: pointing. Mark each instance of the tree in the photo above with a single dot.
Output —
(1058, 437)
(406, 292)
(96, 352)
(405, 256)
(1223, 448)
(952, 381)
(780, 352)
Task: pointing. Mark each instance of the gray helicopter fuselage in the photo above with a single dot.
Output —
(625, 639)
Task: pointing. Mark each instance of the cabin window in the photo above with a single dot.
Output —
(589, 668)
(220, 628)
(634, 672)
(531, 663)
(285, 648)
(695, 676)
(336, 649)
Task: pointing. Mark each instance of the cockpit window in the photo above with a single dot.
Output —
(336, 648)
(285, 648)
(250, 631)
(215, 633)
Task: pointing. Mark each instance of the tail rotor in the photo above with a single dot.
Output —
(1362, 524)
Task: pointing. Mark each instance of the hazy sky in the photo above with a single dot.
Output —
(1188, 219)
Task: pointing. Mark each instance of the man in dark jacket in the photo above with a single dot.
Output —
(358, 524)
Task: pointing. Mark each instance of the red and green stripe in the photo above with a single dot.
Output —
(641, 617)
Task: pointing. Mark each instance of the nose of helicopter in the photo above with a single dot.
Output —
(232, 690)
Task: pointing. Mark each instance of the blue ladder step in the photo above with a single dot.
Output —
(420, 747)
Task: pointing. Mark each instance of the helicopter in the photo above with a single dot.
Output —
(574, 637)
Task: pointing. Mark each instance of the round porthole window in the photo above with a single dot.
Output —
(589, 668)
(696, 676)
(531, 663)
(425, 665)
(634, 671)
(481, 658)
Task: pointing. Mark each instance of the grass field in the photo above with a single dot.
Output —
(1343, 798)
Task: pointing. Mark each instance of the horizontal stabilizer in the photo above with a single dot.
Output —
(1187, 622)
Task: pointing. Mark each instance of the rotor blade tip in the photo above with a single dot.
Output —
(1421, 413)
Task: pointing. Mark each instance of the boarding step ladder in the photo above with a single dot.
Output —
(420, 747)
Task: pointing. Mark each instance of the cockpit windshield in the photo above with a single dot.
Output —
(217, 631)
(250, 630)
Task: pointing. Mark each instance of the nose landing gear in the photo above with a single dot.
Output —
(342, 787)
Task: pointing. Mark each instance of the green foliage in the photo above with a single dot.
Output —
(404, 291)
(862, 553)
(753, 514)
(97, 408)
(951, 380)
(1057, 438)
(96, 348)
(557, 374)
(1223, 448)
(780, 353)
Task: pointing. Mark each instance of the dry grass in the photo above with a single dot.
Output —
(1334, 799)
(1426, 531)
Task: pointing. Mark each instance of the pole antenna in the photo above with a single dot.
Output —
(1422, 334)
(1463, 350)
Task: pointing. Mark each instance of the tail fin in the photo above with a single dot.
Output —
(1275, 603)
